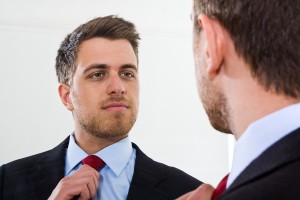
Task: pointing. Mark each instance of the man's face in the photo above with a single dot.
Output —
(213, 100)
(105, 88)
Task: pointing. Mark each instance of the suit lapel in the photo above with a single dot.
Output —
(145, 179)
(282, 152)
(48, 171)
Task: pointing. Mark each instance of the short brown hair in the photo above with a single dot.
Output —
(266, 34)
(110, 27)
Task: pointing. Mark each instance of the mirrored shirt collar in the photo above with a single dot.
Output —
(116, 156)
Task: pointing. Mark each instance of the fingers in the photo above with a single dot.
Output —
(82, 184)
(203, 192)
(83, 175)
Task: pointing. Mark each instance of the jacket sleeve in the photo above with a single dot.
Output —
(1, 181)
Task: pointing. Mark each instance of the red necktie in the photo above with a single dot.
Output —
(94, 161)
(220, 188)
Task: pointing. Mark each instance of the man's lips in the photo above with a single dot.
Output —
(117, 106)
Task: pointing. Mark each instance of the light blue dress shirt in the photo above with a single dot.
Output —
(260, 135)
(115, 176)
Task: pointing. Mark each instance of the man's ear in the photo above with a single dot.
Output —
(213, 33)
(64, 94)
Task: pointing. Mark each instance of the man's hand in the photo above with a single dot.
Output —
(203, 192)
(82, 185)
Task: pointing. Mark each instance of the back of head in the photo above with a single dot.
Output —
(109, 27)
(266, 34)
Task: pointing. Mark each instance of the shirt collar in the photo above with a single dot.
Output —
(116, 156)
(260, 135)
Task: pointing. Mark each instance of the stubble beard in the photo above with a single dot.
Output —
(213, 100)
(116, 126)
(215, 105)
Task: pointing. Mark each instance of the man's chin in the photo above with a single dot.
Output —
(118, 128)
(111, 135)
(223, 129)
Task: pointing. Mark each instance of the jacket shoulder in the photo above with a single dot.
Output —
(170, 181)
(22, 178)
(27, 163)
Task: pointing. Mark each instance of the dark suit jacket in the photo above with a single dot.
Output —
(274, 175)
(36, 176)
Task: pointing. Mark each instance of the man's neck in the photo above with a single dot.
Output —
(92, 144)
(250, 106)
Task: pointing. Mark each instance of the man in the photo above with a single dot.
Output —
(247, 59)
(97, 68)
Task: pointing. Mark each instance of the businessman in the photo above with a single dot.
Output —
(247, 60)
(97, 69)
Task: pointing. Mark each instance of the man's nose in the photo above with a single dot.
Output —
(116, 86)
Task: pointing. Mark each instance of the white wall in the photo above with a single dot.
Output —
(172, 126)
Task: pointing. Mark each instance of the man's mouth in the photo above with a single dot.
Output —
(116, 106)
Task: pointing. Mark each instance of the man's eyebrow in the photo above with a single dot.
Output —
(130, 66)
(96, 66)
(105, 66)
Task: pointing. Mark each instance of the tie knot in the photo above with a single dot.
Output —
(93, 161)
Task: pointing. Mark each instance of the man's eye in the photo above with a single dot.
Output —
(97, 75)
(127, 74)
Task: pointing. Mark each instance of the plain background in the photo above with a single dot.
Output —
(172, 126)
